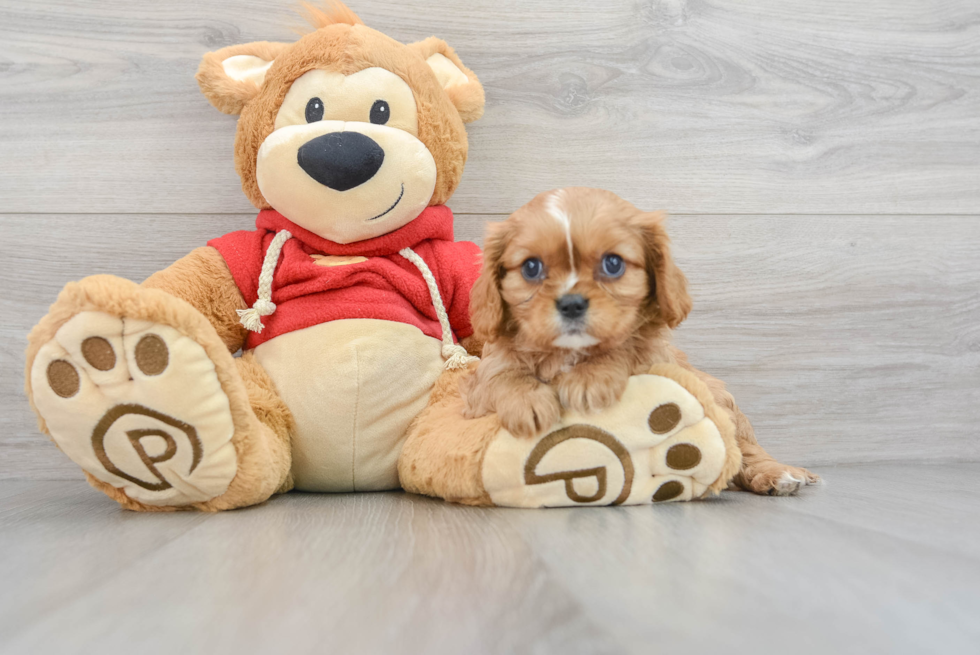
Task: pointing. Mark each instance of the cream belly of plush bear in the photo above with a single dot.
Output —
(353, 387)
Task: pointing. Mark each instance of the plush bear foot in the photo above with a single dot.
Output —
(665, 440)
(137, 405)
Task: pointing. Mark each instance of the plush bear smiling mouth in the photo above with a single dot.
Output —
(400, 196)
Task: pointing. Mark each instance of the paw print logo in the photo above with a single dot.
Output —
(562, 440)
(136, 436)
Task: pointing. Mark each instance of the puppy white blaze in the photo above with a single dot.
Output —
(559, 214)
(575, 341)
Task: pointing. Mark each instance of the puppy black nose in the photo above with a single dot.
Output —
(341, 160)
(572, 306)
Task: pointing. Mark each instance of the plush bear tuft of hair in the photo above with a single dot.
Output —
(333, 13)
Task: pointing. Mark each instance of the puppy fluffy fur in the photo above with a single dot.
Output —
(534, 361)
(538, 359)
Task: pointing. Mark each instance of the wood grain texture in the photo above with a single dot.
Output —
(844, 339)
(354, 573)
(717, 106)
(763, 573)
(393, 573)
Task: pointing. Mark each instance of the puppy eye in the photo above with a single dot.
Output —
(314, 110)
(533, 270)
(380, 112)
(613, 265)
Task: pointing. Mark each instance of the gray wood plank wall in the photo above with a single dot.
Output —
(821, 159)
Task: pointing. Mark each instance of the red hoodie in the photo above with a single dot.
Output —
(386, 286)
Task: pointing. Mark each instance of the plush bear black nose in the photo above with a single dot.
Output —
(572, 306)
(341, 160)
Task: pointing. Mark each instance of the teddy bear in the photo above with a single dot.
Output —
(349, 306)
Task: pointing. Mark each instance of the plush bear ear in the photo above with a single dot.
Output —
(230, 77)
(459, 82)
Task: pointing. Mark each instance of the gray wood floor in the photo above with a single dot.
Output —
(821, 160)
(883, 559)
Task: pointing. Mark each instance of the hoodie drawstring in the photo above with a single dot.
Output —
(455, 355)
(263, 306)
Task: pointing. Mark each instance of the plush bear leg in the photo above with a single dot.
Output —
(137, 388)
(665, 440)
(443, 453)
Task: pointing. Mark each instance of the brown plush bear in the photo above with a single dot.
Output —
(347, 299)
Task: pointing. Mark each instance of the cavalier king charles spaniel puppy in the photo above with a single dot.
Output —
(578, 292)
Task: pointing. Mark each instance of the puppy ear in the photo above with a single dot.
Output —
(232, 76)
(487, 312)
(668, 285)
(458, 81)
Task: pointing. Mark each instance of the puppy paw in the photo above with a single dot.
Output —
(529, 412)
(592, 390)
(774, 479)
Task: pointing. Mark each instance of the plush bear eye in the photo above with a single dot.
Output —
(314, 110)
(533, 270)
(613, 265)
(380, 112)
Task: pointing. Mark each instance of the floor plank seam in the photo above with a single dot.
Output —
(946, 461)
(555, 580)
(881, 533)
(88, 590)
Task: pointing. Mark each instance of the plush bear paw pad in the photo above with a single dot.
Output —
(655, 445)
(138, 405)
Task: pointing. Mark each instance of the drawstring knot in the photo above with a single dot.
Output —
(455, 355)
(250, 317)
(263, 306)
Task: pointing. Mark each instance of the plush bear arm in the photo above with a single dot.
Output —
(202, 279)
(473, 345)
